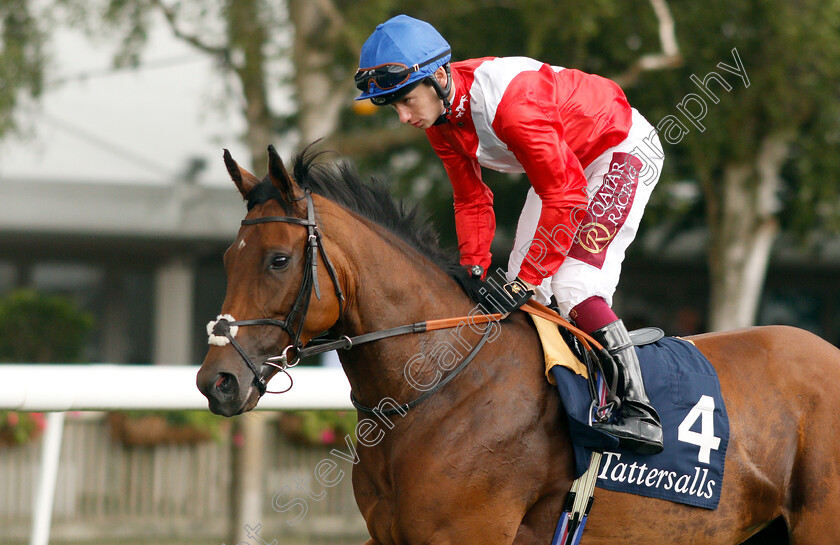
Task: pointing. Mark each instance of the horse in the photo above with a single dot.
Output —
(485, 457)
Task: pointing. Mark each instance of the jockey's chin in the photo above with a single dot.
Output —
(422, 124)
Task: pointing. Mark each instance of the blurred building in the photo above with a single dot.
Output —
(146, 260)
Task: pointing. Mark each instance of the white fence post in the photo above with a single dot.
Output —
(50, 453)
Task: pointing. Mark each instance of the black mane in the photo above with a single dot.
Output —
(340, 183)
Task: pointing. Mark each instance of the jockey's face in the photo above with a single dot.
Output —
(422, 106)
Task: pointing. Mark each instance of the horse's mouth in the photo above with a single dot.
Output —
(251, 400)
(228, 409)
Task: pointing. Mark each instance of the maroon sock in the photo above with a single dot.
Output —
(593, 313)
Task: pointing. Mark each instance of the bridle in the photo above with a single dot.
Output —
(221, 328)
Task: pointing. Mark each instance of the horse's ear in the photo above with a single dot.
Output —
(244, 180)
(280, 178)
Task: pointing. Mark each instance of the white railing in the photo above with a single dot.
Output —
(125, 387)
(58, 388)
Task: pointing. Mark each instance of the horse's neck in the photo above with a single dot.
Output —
(391, 284)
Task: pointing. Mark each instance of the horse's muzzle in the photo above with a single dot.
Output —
(226, 393)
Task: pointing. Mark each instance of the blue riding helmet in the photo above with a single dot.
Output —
(399, 54)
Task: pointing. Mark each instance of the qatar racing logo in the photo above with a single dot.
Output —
(594, 237)
(608, 210)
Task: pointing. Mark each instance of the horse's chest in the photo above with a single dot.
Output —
(415, 481)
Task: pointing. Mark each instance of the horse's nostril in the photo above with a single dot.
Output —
(225, 383)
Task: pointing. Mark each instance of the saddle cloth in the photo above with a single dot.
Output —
(684, 388)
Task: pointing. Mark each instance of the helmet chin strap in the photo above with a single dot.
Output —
(443, 94)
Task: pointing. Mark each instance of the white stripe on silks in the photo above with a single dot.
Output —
(491, 81)
(219, 340)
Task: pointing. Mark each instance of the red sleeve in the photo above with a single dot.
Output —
(531, 127)
(475, 221)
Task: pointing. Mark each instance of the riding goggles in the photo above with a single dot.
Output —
(390, 75)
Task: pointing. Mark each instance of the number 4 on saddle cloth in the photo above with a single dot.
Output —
(683, 387)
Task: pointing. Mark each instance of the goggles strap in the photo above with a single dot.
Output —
(443, 94)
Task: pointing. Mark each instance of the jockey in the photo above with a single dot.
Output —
(581, 146)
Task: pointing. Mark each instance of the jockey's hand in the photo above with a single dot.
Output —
(512, 296)
(475, 271)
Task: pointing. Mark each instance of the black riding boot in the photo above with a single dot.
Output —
(638, 427)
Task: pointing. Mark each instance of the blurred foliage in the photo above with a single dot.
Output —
(199, 419)
(204, 421)
(38, 328)
(791, 54)
(318, 427)
(22, 60)
(41, 328)
(17, 428)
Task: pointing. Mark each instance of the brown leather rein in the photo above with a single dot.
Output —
(532, 307)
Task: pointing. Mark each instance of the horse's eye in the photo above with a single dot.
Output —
(279, 262)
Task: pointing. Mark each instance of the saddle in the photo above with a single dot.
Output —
(563, 344)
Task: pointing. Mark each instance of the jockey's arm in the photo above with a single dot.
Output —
(475, 220)
(534, 133)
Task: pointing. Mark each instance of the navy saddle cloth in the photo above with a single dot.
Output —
(684, 388)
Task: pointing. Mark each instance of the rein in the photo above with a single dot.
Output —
(532, 307)
(223, 330)
(402, 409)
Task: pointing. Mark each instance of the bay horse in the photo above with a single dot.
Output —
(486, 458)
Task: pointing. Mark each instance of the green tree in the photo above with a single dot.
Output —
(22, 60)
(758, 143)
